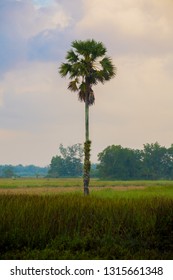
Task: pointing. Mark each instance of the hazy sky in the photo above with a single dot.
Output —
(37, 112)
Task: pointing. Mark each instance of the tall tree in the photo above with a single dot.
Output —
(86, 65)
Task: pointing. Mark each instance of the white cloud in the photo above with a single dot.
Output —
(129, 25)
(50, 18)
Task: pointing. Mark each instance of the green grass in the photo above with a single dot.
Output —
(40, 182)
(109, 224)
(147, 193)
(71, 182)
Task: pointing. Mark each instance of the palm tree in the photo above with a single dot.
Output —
(86, 66)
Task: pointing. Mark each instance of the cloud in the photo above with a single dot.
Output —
(75, 8)
(27, 31)
(38, 112)
(49, 45)
(12, 44)
(52, 42)
(135, 107)
(137, 27)
(27, 90)
(35, 98)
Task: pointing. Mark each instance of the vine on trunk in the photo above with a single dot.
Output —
(87, 166)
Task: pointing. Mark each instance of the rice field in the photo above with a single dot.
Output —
(51, 219)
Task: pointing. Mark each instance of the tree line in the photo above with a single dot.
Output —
(153, 162)
(10, 171)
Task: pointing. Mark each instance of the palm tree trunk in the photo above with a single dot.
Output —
(86, 120)
(87, 144)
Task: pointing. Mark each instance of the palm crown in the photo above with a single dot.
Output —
(87, 65)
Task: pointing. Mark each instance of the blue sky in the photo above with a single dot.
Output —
(43, 3)
(37, 112)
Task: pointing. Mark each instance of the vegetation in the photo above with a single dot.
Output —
(68, 163)
(87, 166)
(109, 224)
(27, 183)
(86, 66)
(154, 162)
(136, 224)
(9, 171)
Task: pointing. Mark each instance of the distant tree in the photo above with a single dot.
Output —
(169, 165)
(119, 163)
(94, 171)
(23, 171)
(8, 172)
(153, 162)
(74, 151)
(87, 65)
(157, 161)
(57, 167)
(68, 163)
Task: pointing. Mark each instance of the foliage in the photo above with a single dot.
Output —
(119, 163)
(94, 171)
(87, 65)
(157, 162)
(68, 164)
(154, 162)
(9, 171)
(59, 227)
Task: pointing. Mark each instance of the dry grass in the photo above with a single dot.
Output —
(57, 190)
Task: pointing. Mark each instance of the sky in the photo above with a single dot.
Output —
(38, 112)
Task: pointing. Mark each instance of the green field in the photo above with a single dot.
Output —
(76, 182)
(51, 219)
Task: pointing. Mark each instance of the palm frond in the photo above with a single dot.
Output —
(73, 85)
(71, 56)
(89, 49)
(64, 69)
(82, 92)
(98, 77)
(108, 69)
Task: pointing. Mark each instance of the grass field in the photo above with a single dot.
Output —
(75, 182)
(119, 220)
